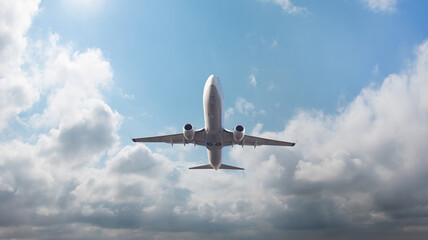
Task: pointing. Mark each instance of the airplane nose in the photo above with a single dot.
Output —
(212, 80)
(213, 84)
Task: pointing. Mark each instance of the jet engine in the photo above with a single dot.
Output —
(238, 133)
(189, 132)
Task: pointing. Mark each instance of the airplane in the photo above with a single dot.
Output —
(213, 136)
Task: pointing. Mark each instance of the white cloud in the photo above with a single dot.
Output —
(71, 79)
(242, 106)
(229, 112)
(364, 168)
(380, 5)
(16, 17)
(375, 70)
(253, 80)
(274, 44)
(128, 96)
(288, 6)
(271, 86)
(17, 92)
(80, 141)
(361, 162)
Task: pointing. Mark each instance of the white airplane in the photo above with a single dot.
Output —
(214, 137)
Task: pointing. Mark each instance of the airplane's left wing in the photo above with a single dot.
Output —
(252, 141)
(178, 138)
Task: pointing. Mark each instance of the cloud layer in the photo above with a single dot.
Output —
(360, 173)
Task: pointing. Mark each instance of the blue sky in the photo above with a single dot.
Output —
(162, 52)
(347, 80)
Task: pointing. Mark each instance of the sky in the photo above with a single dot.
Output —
(346, 80)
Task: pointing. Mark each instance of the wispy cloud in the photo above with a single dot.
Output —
(380, 5)
(274, 44)
(253, 80)
(242, 106)
(271, 86)
(288, 6)
(375, 70)
(229, 112)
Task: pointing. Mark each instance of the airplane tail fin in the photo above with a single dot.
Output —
(223, 166)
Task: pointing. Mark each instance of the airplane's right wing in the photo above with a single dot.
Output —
(252, 141)
(199, 139)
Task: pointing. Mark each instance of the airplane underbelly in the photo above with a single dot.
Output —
(215, 158)
(213, 111)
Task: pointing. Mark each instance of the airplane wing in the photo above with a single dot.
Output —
(199, 139)
(252, 141)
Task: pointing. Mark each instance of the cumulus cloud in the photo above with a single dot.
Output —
(79, 142)
(380, 5)
(71, 80)
(138, 160)
(17, 92)
(363, 166)
(362, 169)
(15, 21)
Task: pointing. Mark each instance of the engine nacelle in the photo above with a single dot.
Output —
(189, 132)
(238, 133)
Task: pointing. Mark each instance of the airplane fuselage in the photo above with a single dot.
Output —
(213, 114)
(213, 136)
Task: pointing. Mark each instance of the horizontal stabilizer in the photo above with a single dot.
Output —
(224, 166)
(208, 166)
